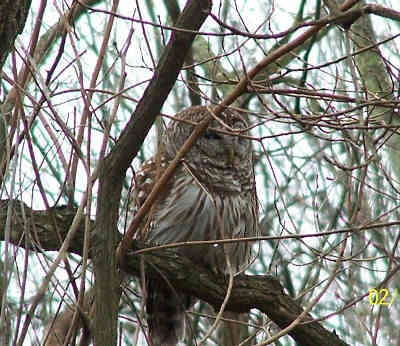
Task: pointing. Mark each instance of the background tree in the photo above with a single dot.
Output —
(85, 90)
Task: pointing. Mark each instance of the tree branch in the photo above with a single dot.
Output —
(115, 165)
(12, 18)
(262, 292)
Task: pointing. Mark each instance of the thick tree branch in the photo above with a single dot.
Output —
(262, 292)
(12, 21)
(114, 168)
(13, 14)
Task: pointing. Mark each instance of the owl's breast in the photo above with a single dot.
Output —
(193, 213)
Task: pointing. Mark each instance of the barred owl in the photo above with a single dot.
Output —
(211, 195)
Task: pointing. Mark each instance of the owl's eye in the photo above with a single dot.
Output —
(211, 135)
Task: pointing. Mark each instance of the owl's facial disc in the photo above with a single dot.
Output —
(212, 135)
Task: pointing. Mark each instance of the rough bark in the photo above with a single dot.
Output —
(13, 15)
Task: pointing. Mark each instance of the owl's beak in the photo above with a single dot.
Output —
(230, 155)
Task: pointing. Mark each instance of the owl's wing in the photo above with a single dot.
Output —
(145, 179)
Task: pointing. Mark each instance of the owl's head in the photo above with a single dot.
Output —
(222, 144)
(222, 154)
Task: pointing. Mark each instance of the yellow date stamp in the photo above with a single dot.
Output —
(382, 296)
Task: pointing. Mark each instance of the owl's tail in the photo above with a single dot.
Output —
(233, 333)
(165, 314)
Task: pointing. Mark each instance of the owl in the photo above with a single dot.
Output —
(210, 196)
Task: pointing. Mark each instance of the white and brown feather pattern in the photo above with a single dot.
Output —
(210, 196)
(145, 180)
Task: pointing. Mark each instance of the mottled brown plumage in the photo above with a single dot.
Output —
(211, 195)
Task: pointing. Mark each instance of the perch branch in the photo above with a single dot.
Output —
(262, 292)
